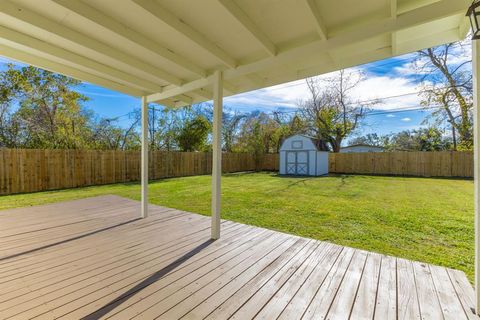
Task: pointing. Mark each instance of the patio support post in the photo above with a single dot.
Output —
(144, 173)
(217, 152)
(476, 148)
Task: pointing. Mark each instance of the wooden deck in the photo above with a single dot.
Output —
(92, 259)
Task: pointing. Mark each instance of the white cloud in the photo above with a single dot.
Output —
(397, 88)
(287, 95)
(390, 115)
(392, 93)
(407, 69)
(458, 54)
(406, 119)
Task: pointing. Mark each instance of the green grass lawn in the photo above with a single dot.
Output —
(428, 220)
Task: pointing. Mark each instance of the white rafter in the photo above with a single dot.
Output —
(184, 98)
(392, 6)
(53, 66)
(319, 25)
(350, 35)
(111, 24)
(194, 85)
(249, 25)
(26, 16)
(63, 54)
(186, 30)
(203, 93)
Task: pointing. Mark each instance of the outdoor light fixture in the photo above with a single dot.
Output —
(473, 14)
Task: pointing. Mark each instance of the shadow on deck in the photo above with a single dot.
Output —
(93, 259)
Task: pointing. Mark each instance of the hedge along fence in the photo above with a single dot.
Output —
(421, 164)
(30, 170)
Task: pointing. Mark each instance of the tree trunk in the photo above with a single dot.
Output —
(454, 138)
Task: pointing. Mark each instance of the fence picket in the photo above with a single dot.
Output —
(39, 170)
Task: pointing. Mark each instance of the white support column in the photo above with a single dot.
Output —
(217, 152)
(476, 155)
(144, 173)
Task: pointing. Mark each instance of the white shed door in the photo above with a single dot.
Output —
(297, 162)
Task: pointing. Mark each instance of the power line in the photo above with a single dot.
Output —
(367, 65)
(372, 113)
(369, 101)
(377, 100)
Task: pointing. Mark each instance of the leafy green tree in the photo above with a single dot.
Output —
(331, 111)
(107, 135)
(372, 139)
(424, 139)
(49, 111)
(193, 134)
(447, 88)
(231, 121)
(287, 125)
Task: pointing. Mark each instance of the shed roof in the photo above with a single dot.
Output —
(315, 142)
(169, 49)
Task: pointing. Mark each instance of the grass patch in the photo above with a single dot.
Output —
(429, 220)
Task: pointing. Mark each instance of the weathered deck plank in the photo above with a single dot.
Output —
(93, 259)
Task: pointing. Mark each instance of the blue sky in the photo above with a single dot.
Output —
(394, 81)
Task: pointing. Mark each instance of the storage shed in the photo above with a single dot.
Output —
(299, 155)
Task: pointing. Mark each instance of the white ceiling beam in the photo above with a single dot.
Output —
(256, 79)
(194, 85)
(229, 88)
(464, 29)
(319, 25)
(186, 30)
(28, 17)
(114, 26)
(249, 25)
(394, 43)
(96, 67)
(184, 98)
(431, 40)
(169, 103)
(354, 34)
(392, 8)
(197, 87)
(203, 93)
(27, 58)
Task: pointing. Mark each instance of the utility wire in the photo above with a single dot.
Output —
(367, 66)
(369, 101)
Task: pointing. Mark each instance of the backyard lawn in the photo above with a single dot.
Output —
(429, 220)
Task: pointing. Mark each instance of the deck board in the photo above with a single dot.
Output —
(94, 259)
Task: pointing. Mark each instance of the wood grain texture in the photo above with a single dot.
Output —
(92, 259)
(34, 170)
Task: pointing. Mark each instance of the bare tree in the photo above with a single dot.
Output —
(331, 111)
(447, 87)
(231, 122)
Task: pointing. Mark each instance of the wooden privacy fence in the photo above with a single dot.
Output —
(29, 170)
(421, 164)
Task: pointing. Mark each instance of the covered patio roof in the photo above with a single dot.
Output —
(168, 50)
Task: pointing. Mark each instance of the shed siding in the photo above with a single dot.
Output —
(317, 160)
(322, 163)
